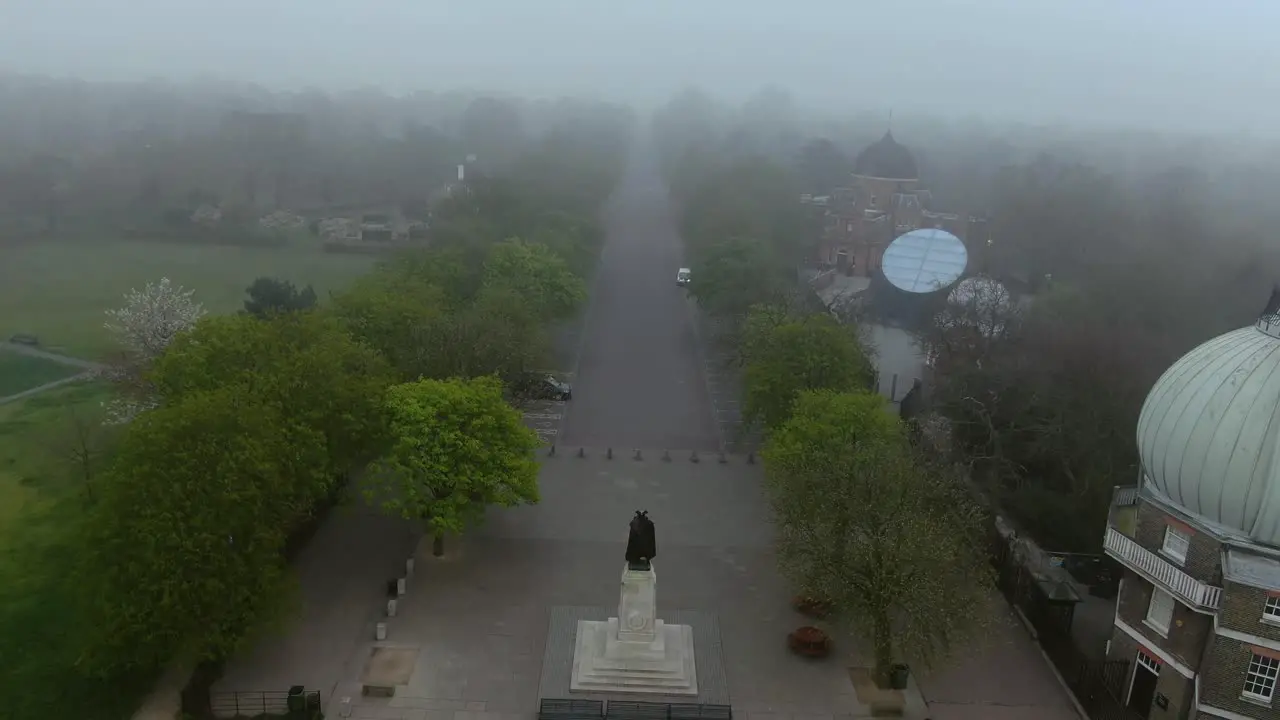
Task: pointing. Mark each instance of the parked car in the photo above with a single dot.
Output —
(683, 276)
(541, 386)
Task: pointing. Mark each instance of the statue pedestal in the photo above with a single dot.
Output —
(635, 652)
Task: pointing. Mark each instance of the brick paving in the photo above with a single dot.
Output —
(483, 617)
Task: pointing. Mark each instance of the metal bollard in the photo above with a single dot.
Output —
(694, 457)
(666, 456)
(610, 454)
(552, 451)
(637, 455)
(582, 452)
(751, 458)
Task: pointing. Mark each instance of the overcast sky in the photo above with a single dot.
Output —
(1169, 63)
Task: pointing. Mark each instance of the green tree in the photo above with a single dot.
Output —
(396, 314)
(786, 357)
(269, 296)
(736, 273)
(892, 541)
(457, 448)
(497, 334)
(538, 274)
(183, 554)
(306, 364)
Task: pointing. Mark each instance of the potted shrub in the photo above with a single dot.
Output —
(809, 641)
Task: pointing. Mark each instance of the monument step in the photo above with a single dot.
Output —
(648, 684)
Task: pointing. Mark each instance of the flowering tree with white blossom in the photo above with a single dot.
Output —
(144, 326)
(152, 317)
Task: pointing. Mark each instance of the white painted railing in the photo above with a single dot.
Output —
(1157, 569)
(1123, 495)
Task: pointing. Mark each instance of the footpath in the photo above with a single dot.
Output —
(88, 366)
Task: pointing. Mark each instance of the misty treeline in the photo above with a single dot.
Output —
(1121, 252)
(76, 154)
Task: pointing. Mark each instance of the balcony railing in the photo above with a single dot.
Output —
(1123, 495)
(1158, 570)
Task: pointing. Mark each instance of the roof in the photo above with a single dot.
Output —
(886, 158)
(924, 260)
(1246, 568)
(1207, 433)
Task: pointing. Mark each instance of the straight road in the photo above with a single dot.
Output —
(639, 376)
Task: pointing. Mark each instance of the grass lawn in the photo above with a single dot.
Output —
(59, 290)
(41, 502)
(22, 372)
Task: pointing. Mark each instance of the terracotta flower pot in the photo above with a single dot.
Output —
(809, 641)
(811, 606)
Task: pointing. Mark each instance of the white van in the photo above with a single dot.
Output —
(683, 275)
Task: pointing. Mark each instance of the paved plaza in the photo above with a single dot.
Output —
(488, 629)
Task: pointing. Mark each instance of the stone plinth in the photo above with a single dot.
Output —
(635, 652)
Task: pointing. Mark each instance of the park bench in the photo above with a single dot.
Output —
(627, 710)
(686, 711)
(570, 709)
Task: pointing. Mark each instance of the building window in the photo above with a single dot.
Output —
(1176, 543)
(1271, 610)
(1260, 681)
(1160, 611)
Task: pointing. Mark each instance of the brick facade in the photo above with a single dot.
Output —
(1221, 662)
(1188, 630)
(1204, 556)
(1179, 690)
(1242, 610)
(1226, 663)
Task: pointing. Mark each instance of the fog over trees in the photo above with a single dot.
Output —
(281, 248)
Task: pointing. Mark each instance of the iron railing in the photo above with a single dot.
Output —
(265, 703)
(1096, 683)
(1160, 571)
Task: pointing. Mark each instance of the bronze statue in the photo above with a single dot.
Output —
(642, 542)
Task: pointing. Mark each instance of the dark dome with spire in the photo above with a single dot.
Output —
(886, 158)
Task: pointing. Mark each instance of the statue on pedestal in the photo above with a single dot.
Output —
(642, 542)
(634, 651)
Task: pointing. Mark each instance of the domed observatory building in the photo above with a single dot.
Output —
(1198, 612)
(882, 200)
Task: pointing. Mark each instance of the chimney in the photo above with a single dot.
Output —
(1273, 304)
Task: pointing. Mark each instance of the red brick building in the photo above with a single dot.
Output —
(883, 200)
(1198, 613)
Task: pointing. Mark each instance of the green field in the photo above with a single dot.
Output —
(58, 291)
(22, 372)
(42, 500)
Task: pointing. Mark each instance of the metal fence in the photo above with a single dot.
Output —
(1097, 685)
(293, 704)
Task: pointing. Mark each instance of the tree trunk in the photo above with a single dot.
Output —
(883, 630)
(437, 545)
